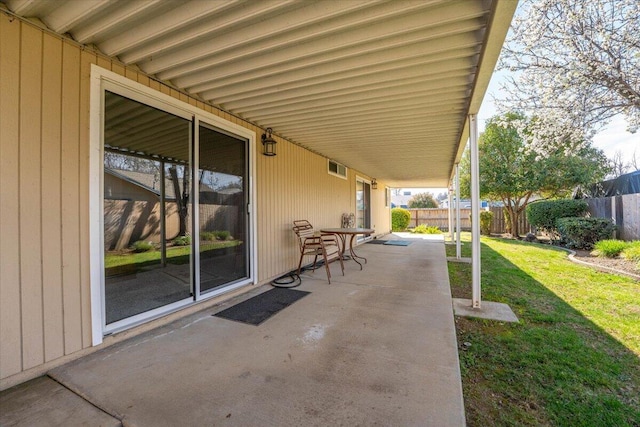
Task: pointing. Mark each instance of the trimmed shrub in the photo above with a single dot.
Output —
(222, 235)
(426, 229)
(142, 246)
(214, 235)
(207, 235)
(583, 233)
(609, 248)
(182, 241)
(486, 218)
(545, 214)
(400, 219)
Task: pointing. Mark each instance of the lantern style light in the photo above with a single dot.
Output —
(268, 143)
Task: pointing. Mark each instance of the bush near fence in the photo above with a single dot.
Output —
(624, 209)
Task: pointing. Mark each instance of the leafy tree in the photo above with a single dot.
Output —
(181, 194)
(621, 165)
(575, 64)
(511, 174)
(442, 196)
(422, 200)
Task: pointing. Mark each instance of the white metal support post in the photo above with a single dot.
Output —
(450, 190)
(457, 197)
(475, 212)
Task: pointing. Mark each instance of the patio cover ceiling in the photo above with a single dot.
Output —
(384, 87)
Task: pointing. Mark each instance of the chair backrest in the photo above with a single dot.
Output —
(303, 230)
(348, 220)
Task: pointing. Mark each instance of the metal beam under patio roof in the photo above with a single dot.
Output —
(384, 87)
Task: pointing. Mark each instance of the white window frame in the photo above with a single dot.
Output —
(338, 166)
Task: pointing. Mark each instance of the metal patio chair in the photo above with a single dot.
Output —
(348, 220)
(317, 244)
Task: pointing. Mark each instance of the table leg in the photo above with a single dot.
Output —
(353, 254)
(343, 239)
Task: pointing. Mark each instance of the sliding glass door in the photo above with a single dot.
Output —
(223, 198)
(146, 190)
(363, 204)
(174, 210)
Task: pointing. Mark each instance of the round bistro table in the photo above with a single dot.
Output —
(342, 233)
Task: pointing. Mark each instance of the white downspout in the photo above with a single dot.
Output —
(451, 211)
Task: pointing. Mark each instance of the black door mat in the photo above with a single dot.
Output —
(257, 309)
(376, 242)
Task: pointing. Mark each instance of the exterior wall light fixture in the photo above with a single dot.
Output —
(268, 143)
(374, 184)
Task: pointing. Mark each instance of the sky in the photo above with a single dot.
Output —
(612, 139)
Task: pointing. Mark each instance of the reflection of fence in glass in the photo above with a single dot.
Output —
(127, 221)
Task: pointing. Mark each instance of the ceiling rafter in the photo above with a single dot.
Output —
(383, 86)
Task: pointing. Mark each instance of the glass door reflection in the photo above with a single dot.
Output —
(147, 248)
(222, 210)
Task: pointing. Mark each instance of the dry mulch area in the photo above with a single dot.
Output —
(618, 263)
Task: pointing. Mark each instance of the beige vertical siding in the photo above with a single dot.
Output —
(51, 173)
(10, 308)
(45, 300)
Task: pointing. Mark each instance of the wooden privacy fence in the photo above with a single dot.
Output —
(499, 225)
(439, 217)
(625, 210)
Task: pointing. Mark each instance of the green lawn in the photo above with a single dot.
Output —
(574, 358)
(175, 255)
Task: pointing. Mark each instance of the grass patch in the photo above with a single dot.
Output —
(175, 255)
(613, 248)
(632, 252)
(574, 358)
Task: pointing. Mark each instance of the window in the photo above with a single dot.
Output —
(337, 169)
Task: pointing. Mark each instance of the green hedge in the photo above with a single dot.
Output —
(182, 241)
(545, 214)
(486, 218)
(400, 219)
(583, 233)
(142, 246)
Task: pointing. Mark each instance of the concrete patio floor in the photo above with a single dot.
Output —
(376, 347)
